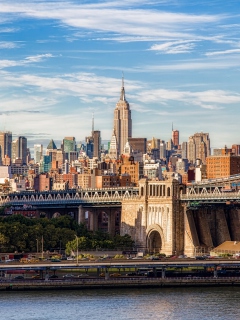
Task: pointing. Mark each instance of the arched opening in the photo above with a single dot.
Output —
(168, 192)
(43, 214)
(56, 215)
(154, 242)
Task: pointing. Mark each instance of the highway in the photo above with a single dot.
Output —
(111, 263)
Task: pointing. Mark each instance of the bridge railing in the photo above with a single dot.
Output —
(223, 195)
(69, 200)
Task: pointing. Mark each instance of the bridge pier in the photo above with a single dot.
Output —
(93, 217)
(222, 231)
(111, 222)
(81, 215)
(234, 223)
(191, 240)
(205, 235)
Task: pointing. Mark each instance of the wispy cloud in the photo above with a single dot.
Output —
(113, 17)
(27, 60)
(174, 47)
(210, 99)
(217, 53)
(8, 45)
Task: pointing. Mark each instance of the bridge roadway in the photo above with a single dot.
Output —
(72, 197)
(207, 191)
(94, 282)
(140, 263)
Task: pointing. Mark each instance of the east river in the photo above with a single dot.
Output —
(122, 304)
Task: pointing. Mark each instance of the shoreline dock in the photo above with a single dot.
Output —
(116, 283)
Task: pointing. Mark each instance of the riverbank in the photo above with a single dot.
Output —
(116, 283)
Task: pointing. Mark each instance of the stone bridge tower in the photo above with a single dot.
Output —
(155, 220)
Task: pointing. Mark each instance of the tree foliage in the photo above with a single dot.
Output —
(18, 233)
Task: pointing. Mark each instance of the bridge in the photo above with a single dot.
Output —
(213, 191)
(73, 197)
(161, 216)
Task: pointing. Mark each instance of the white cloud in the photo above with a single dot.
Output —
(8, 45)
(230, 51)
(113, 17)
(27, 60)
(174, 47)
(38, 57)
(210, 99)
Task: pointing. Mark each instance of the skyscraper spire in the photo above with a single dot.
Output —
(122, 123)
(92, 123)
(122, 97)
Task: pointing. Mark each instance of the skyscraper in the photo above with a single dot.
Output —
(175, 137)
(38, 152)
(5, 144)
(122, 121)
(198, 147)
(96, 143)
(19, 150)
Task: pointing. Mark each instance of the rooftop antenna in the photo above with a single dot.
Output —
(92, 123)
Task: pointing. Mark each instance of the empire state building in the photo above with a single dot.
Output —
(122, 122)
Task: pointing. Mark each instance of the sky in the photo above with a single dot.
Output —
(63, 61)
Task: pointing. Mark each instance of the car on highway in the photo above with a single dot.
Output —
(82, 275)
(114, 275)
(19, 278)
(55, 260)
(53, 276)
(69, 276)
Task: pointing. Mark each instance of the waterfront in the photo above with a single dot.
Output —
(128, 304)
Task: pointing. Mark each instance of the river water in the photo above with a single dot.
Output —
(122, 304)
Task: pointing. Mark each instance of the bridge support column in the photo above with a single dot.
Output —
(106, 274)
(191, 240)
(81, 215)
(163, 273)
(111, 223)
(205, 235)
(93, 225)
(155, 272)
(222, 231)
(234, 223)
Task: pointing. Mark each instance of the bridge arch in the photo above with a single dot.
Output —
(56, 215)
(155, 241)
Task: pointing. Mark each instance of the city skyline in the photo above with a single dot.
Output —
(60, 61)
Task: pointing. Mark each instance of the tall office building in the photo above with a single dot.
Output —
(38, 152)
(184, 150)
(162, 149)
(89, 146)
(5, 144)
(69, 144)
(175, 137)
(198, 147)
(122, 121)
(19, 150)
(138, 144)
(113, 147)
(96, 144)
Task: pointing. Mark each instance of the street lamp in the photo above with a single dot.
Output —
(42, 247)
(77, 248)
(60, 249)
(37, 245)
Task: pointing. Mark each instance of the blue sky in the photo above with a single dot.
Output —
(60, 61)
